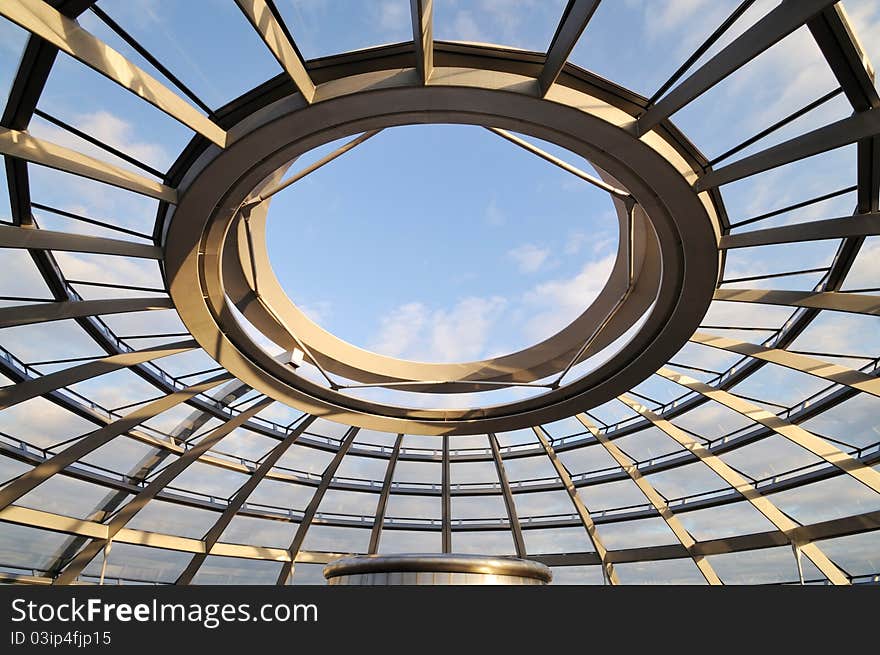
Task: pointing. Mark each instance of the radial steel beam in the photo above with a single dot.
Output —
(39, 18)
(608, 572)
(858, 225)
(446, 498)
(840, 133)
(270, 30)
(422, 13)
(312, 509)
(376, 534)
(17, 393)
(848, 61)
(59, 311)
(12, 236)
(24, 146)
(794, 433)
(803, 363)
(213, 535)
(157, 484)
(853, 303)
(769, 30)
(736, 480)
(656, 499)
(515, 528)
(94, 440)
(574, 20)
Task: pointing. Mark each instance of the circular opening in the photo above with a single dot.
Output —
(394, 250)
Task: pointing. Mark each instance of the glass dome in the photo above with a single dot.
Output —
(611, 310)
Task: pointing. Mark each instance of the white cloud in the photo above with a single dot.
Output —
(110, 129)
(393, 15)
(418, 332)
(557, 302)
(493, 214)
(529, 258)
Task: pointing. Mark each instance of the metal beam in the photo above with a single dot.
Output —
(17, 393)
(841, 527)
(574, 20)
(94, 440)
(858, 225)
(794, 433)
(376, 534)
(59, 311)
(518, 541)
(608, 572)
(853, 303)
(445, 498)
(736, 480)
(422, 13)
(840, 133)
(213, 535)
(157, 484)
(12, 236)
(24, 146)
(656, 499)
(312, 509)
(803, 363)
(769, 30)
(40, 19)
(267, 26)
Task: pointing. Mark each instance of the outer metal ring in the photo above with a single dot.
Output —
(685, 225)
(433, 563)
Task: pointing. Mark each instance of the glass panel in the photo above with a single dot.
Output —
(332, 539)
(686, 481)
(855, 421)
(410, 541)
(325, 28)
(422, 507)
(478, 507)
(857, 554)
(495, 542)
(197, 50)
(42, 423)
(724, 521)
(770, 456)
(211, 480)
(635, 534)
(529, 468)
(259, 532)
(829, 499)
(129, 563)
(611, 495)
(172, 518)
(349, 502)
(63, 495)
(282, 494)
(304, 458)
(586, 459)
(30, 548)
(577, 575)
(365, 468)
(543, 503)
(468, 472)
(308, 574)
(235, 570)
(670, 572)
(767, 566)
(557, 540)
(527, 25)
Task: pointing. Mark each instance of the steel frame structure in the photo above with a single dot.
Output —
(509, 90)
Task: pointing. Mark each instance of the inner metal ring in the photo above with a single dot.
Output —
(684, 223)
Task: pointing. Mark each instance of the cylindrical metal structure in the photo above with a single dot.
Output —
(435, 569)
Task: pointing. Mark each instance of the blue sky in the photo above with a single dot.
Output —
(446, 242)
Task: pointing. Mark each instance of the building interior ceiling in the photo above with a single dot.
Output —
(709, 415)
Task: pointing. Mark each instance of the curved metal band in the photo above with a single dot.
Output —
(450, 563)
(684, 223)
